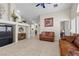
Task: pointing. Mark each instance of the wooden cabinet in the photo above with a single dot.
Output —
(21, 36)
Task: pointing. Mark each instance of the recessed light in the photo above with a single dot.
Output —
(18, 11)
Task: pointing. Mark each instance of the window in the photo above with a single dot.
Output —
(78, 8)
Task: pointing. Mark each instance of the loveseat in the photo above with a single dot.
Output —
(47, 36)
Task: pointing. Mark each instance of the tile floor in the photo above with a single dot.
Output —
(31, 47)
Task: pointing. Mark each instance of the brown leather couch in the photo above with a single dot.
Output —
(47, 36)
(69, 46)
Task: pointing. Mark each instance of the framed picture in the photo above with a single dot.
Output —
(48, 22)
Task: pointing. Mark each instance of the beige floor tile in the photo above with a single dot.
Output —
(31, 47)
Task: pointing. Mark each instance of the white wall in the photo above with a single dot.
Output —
(57, 18)
(78, 24)
(73, 11)
(73, 30)
(78, 19)
(5, 12)
(73, 18)
(8, 10)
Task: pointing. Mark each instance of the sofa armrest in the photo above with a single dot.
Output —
(68, 38)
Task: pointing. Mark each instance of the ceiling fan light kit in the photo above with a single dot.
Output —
(55, 5)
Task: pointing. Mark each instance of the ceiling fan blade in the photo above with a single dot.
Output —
(43, 5)
(37, 5)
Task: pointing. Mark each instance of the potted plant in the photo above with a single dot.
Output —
(14, 16)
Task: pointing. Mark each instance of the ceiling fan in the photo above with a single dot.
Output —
(43, 5)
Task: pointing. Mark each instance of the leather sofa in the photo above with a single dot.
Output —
(47, 36)
(69, 45)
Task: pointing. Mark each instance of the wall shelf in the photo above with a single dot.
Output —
(13, 23)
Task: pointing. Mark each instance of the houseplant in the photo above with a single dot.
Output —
(14, 16)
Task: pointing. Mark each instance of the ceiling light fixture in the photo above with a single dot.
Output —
(55, 5)
(18, 11)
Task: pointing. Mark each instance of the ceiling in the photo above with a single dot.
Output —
(32, 13)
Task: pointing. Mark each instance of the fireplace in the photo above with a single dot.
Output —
(6, 34)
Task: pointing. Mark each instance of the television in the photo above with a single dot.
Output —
(6, 34)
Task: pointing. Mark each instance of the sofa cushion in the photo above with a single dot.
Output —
(76, 41)
(73, 53)
(69, 38)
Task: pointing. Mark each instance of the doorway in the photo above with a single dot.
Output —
(34, 31)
